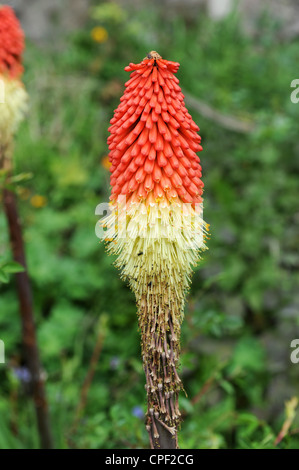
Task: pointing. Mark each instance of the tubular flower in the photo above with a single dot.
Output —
(155, 226)
(13, 97)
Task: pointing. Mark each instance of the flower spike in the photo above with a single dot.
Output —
(13, 97)
(155, 226)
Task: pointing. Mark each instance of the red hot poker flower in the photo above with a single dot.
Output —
(13, 97)
(11, 44)
(158, 237)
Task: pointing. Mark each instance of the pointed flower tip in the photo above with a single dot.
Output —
(153, 58)
(11, 43)
(153, 55)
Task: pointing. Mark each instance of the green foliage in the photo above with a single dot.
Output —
(7, 268)
(242, 309)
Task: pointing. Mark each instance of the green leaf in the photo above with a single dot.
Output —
(3, 276)
(13, 267)
(21, 177)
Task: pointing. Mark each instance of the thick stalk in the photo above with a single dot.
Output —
(159, 322)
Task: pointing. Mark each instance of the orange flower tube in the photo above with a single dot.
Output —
(13, 97)
(155, 226)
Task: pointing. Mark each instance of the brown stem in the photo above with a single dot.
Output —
(166, 440)
(28, 327)
(159, 321)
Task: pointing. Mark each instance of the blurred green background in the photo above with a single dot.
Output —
(242, 311)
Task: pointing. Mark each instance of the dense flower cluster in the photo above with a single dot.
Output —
(13, 97)
(154, 140)
(11, 43)
(155, 226)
